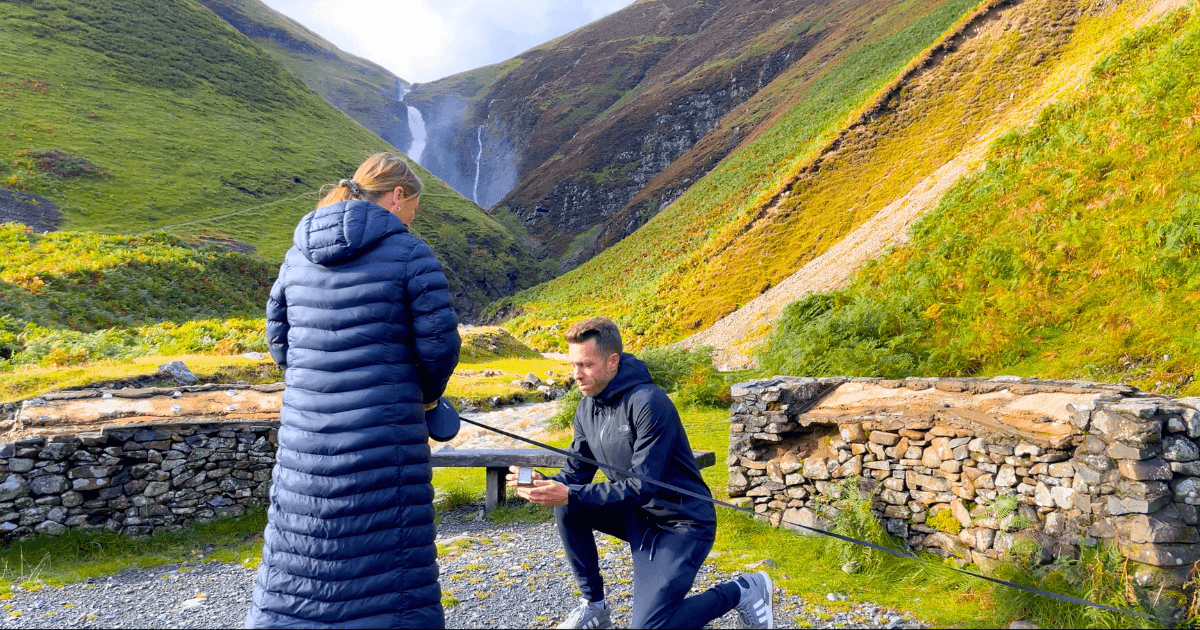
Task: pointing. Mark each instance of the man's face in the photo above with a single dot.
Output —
(593, 370)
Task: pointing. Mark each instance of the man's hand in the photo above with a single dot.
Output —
(545, 493)
(512, 476)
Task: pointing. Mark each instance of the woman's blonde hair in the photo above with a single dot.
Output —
(378, 175)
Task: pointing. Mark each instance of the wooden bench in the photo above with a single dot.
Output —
(497, 462)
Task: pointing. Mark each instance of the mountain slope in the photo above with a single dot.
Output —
(363, 90)
(131, 116)
(578, 127)
(798, 188)
(1074, 253)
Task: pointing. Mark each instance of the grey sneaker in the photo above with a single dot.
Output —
(756, 609)
(587, 617)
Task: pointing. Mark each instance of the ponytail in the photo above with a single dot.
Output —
(378, 175)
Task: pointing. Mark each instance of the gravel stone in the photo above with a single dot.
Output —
(504, 576)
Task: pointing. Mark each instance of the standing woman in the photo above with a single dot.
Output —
(360, 319)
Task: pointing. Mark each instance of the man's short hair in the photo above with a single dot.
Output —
(602, 329)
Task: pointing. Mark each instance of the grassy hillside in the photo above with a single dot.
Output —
(577, 127)
(865, 132)
(364, 90)
(627, 281)
(87, 281)
(184, 124)
(1074, 253)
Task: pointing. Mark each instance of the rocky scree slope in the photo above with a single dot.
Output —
(362, 89)
(132, 116)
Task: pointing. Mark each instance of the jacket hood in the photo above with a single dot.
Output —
(340, 232)
(630, 373)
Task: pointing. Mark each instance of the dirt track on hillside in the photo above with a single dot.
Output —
(737, 336)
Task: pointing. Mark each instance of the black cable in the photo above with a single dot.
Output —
(817, 530)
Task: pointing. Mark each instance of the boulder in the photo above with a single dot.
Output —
(1126, 428)
(1007, 477)
(816, 468)
(50, 528)
(14, 486)
(1187, 490)
(180, 372)
(960, 512)
(1143, 470)
(1177, 448)
(807, 518)
(1145, 528)
(1064, 497)
(49, 484)
(884, 438)
(1127, 505)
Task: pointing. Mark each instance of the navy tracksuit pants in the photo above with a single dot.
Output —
(665, 563)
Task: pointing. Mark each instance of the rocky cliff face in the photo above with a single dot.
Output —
(572, 131)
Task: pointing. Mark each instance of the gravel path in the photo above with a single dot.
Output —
(494, 576)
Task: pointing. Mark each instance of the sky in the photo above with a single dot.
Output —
(423, 40)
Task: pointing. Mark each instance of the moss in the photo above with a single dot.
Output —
(945, 521)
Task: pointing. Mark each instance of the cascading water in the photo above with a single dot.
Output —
(478, 159)
(416, 126)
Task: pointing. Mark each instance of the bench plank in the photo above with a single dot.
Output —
(497, 461)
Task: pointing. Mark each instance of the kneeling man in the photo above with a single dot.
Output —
(627, 422)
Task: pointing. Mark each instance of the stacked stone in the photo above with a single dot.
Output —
(133, 480)
(1141, 465)
(1135, 478)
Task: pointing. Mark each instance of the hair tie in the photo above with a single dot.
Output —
(352, 185)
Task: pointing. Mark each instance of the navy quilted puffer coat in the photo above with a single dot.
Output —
(360, 317)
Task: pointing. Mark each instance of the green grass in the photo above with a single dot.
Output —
(76, 556)
(27, 382)
(85, 282)
(212, 350)
(1074, 253)
(731, 238)
(200, 132)
(641, 270)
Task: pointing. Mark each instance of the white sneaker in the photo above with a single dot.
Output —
(756, 610)
(587, 617)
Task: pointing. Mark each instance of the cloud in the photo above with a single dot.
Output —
(423, 40)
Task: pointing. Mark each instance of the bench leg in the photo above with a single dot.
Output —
(496, 491)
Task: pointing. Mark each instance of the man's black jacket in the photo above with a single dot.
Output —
(632, 425)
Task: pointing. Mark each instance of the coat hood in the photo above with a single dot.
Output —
(340, 232)
(630, 373)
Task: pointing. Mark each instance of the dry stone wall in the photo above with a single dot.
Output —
(134, 474)
(964, 467)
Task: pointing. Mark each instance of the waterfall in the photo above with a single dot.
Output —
(416, 126)
(478, 159)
